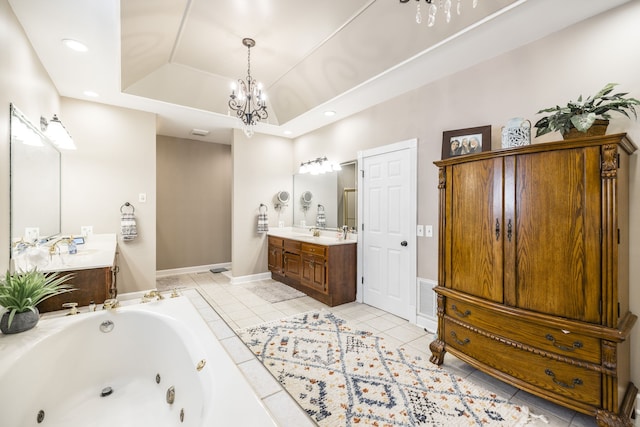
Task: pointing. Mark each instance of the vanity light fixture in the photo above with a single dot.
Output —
(250, 103)
(318, 166)
(57, 133)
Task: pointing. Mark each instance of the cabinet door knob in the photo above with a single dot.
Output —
(403, 243)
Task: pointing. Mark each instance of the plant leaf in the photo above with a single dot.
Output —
(582, 122)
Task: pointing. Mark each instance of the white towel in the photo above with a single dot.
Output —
(263, 220)
(128, 226)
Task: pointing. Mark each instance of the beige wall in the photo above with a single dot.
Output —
(114, 163)
(553, 70)
(25, 83)
(194, 203)
(261, 168)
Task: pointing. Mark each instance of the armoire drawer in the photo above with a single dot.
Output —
(574, 382)
(563, 342)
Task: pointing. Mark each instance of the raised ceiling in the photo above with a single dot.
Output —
(177, 58)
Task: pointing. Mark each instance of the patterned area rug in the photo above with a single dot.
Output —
(275, 291)
(345, 377)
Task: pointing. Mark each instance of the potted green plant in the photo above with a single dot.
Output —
(21, 292)
(586, 117)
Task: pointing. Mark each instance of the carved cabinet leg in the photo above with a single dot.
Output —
(437, 352)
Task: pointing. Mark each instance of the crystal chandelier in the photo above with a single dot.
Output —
(434, 6)
(249, 104)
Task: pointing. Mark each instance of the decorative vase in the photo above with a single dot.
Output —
(516, 133)
(598, 128)
(21, 322)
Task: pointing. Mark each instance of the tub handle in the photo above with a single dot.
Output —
(201, 364)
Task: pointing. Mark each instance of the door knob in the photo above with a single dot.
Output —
(403, 243)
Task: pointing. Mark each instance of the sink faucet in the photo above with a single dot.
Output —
(110, 304)
(315, 231)
(154, 293)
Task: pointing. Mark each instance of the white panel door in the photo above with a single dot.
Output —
(387, 226)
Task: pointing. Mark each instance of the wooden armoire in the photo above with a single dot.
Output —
(533, 271)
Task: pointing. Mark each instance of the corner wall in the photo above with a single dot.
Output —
(261, 168)
(114, 162)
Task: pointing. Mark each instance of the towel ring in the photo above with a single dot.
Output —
(262, 205)
(128, 205)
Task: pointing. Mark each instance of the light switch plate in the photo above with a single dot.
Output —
(420, 230)
(86, 230)
(428, 230)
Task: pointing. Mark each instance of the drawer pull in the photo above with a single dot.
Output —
(576, 344)
(458, 312)
(455, 337)
(574, 382)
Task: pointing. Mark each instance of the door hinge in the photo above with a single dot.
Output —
(362, 280)
(362, 171)
(363, 226)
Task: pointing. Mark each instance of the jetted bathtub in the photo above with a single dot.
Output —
(155, 364)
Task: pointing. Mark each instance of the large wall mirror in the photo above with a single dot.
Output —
(35, 181)
(326, 200)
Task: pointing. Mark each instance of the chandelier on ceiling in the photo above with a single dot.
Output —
(249, 103)
(434, 6)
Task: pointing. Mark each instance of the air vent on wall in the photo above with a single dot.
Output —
(199, 132)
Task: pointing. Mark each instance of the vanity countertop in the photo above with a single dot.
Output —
(98, 251)
(327, 238)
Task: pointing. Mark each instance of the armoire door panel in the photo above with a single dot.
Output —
(476, 218)
(557, 234)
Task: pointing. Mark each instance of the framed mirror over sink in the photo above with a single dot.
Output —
(35, 169)
(333, 195)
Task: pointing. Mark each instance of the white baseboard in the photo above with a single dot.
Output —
(250, 278)
(189, 270)
(427, 323)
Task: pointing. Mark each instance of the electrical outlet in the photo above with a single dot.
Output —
(142, 197)
(420, 230)
(31, 234)
(86, 230)
(428, 230)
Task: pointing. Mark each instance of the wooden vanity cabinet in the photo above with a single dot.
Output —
(314, 267)
(276, 255)
(94, 284)
(533, 282)
(324, 272)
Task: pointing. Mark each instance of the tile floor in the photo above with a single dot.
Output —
(239, 308)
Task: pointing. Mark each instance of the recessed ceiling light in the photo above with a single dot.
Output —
(329, 113)
(287, 132)
(75, 45)
(90, 93)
